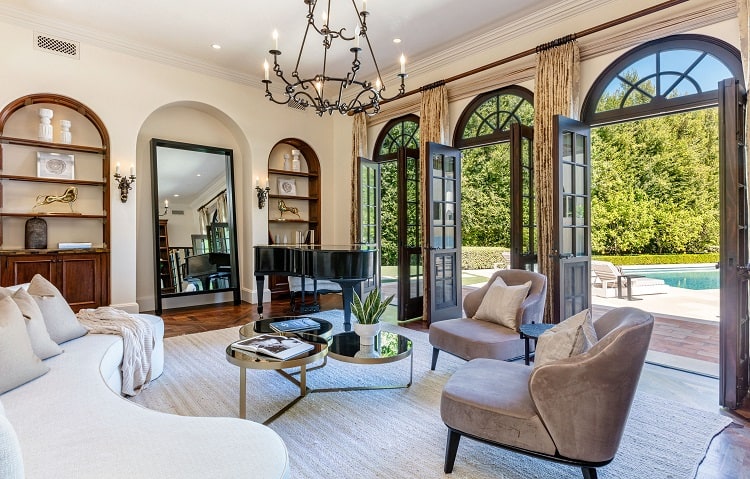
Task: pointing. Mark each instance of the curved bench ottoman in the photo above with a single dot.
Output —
(70, 425)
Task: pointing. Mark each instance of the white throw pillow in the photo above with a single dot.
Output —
(11, 461)
(18, 362)
(573, 336)
(501, 302)
(61, 322)
(42, 344)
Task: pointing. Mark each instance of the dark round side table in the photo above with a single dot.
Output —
(532, 331)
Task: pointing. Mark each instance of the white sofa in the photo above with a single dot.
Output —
(72, 423)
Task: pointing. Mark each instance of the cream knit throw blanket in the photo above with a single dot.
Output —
(137, 338)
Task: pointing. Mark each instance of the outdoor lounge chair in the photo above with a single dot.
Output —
(607, 277)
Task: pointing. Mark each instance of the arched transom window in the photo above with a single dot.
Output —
(487, 119)
(664, 76)
(399, 133)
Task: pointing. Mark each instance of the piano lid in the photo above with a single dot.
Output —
(319, 247)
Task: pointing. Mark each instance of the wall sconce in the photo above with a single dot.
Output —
(262, 192)
(166, 208)
(124, 182)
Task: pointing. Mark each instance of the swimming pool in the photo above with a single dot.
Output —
(688, 277)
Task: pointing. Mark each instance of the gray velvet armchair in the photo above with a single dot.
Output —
(571, 410)
(470, 338)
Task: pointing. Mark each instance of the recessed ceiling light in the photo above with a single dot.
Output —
(396, 40)
(176, 195)
(198, 174)
(216, 46)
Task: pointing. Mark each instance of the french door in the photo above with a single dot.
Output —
(523, 222)
(733, 263)
(410, 266)
(443, 255)
(571, 252)
(369, 215)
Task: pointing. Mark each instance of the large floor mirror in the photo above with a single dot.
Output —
(195, 238)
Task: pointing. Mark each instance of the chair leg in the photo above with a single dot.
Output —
(435, 352)
(451, 448)
(589, 472)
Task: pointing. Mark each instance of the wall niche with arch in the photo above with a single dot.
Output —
(293, 199)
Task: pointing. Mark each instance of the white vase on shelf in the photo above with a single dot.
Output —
(286, 161)
(45, 124)
(65, 136)
(295, 160)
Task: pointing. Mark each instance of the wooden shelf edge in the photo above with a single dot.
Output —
(294, 197)
(301, 174)
(18, 252)
(291, 221)
(9, 140)
(52, 180)
(52, 215)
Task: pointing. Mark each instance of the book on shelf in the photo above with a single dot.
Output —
(294, 325)
(279, 347)
(73, 245)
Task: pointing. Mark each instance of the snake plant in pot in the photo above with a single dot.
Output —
(368, 315)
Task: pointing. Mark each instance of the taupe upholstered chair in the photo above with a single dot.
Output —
(571, 410)
(470, 338)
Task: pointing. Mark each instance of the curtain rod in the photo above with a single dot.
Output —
(212, 199)
(598, 28)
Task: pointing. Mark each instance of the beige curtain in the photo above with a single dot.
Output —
(743, 7)
(204, 218)
(221, 208)
(433, 126)
(556, 93)
(359, 150)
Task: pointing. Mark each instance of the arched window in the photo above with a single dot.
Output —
(669, 75)
(398, 133)
(487, 119)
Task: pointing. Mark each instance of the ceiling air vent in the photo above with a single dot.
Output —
(58, 46)
(178, 212)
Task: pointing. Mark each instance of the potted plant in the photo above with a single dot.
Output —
(368, 315)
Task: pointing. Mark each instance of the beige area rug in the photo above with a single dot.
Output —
(398, 433)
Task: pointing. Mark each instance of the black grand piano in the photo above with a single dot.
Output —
(347, 265)
(207, 267)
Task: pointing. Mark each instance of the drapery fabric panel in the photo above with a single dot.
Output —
(359, 150)
(743, 7)
(556, 93)
(221, 208)
(434, 126)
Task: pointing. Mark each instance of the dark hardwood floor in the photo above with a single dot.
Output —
(728, 456)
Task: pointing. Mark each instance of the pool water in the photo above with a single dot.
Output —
(696, 279)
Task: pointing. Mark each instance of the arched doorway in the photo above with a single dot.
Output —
(653, 108)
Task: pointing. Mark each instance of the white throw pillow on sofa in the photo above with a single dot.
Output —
(61, 322)
(573, 336)
(11, 461)
(501, 302)
(18, 362)
(42, 344)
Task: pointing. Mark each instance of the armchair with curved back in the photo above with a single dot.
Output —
(470, 338)
(570, 410)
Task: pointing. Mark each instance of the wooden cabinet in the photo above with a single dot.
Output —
(166, 269)
(82, 278)
(298, 190)
(33, 171)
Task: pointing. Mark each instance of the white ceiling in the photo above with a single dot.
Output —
(182, 31)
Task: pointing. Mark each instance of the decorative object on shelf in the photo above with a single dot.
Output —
(262, 192)
(368, 315)
(287, 186)
(45, 124)
(124, 182)
(65, 136)
(303, 92)
(69, 196)
(55, 165)
(36, 234)
(284, 208)
(286, 161)
(305, 237)
(166, 208)
(295, 160)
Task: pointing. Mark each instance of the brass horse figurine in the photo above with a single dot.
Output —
(292, 209)
(69, 196)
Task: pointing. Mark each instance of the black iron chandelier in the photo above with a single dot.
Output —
(311, 91)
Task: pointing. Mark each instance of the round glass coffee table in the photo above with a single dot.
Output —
(248, 360)
(388, 347)
(263, 326)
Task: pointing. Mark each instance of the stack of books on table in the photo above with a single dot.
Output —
(278, 347)
(296, 325)
(73, 245)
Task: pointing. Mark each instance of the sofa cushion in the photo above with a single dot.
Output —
(501, 302)
(41, 343)
(469, 339)
(18, 362)
(482, 391)
(61, 322)
(11, 461)
(573, 336)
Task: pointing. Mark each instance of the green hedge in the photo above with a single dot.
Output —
(481, 257)
(660, 259)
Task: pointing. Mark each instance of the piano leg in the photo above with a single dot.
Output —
(348, 286)
(260, 281)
